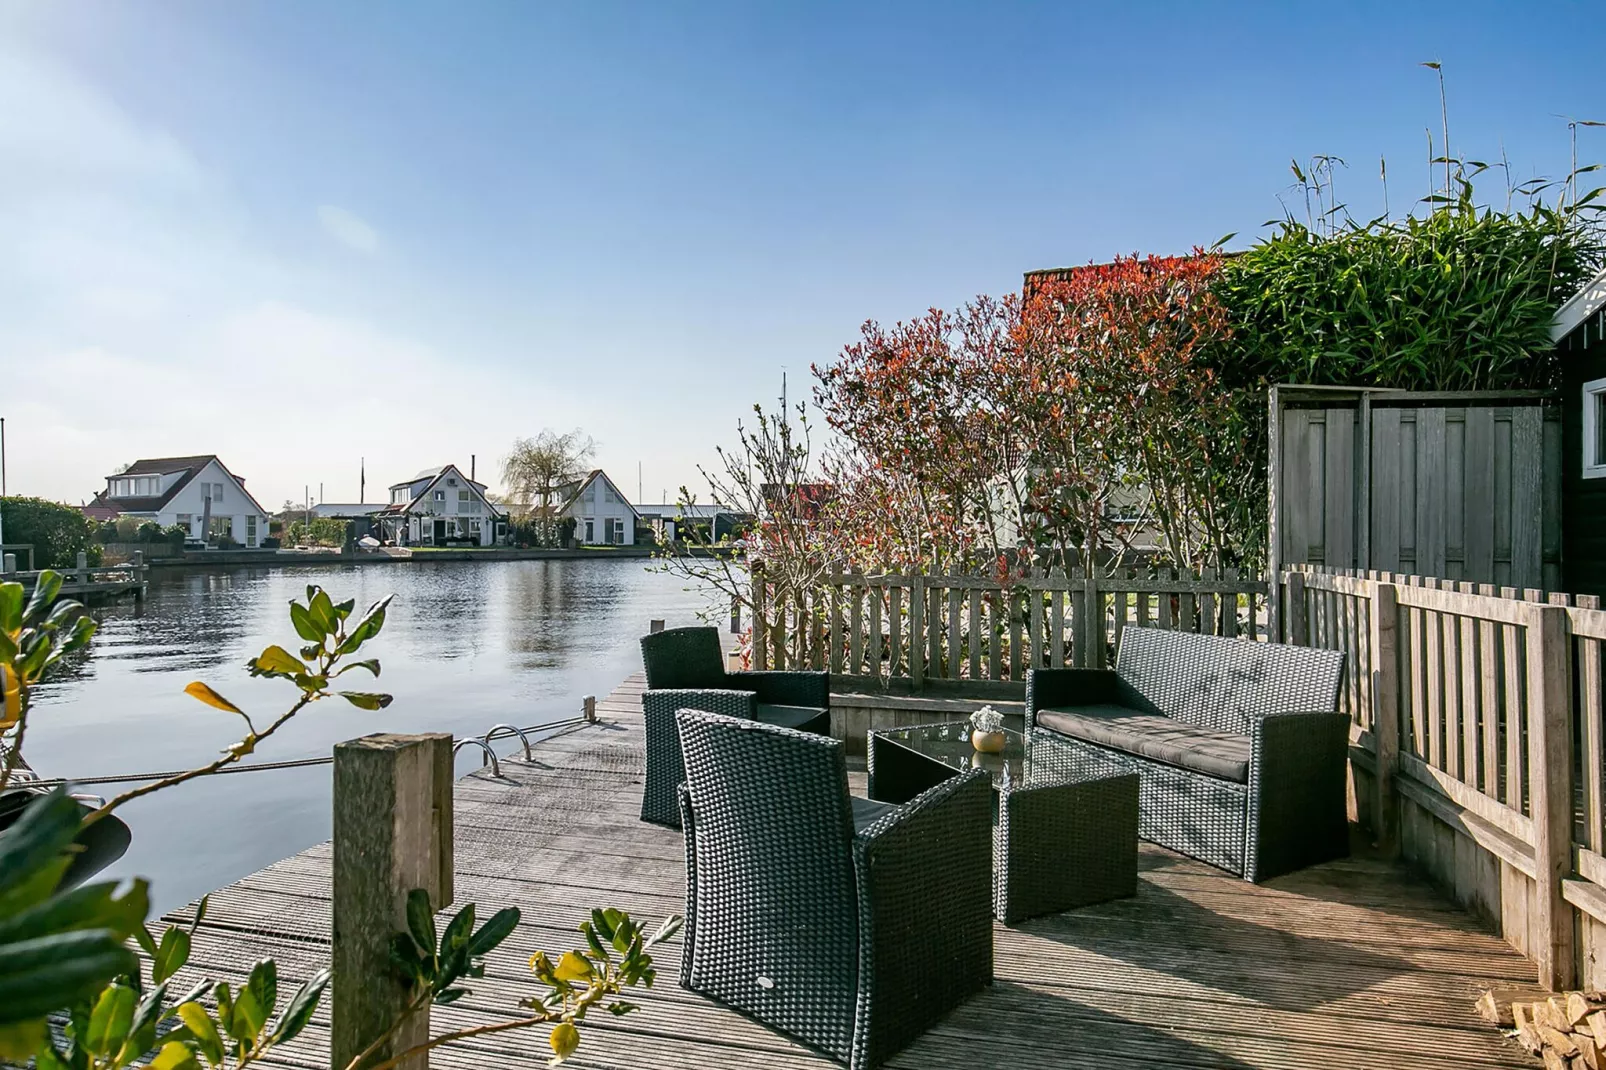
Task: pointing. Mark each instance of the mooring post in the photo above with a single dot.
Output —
(139, 575)
(655, 626)
(589, 704)
(392, 833)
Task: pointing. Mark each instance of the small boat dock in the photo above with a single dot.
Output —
(86, 583)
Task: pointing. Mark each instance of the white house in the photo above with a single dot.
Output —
(440, 506)
(199, 494)
(602, 515)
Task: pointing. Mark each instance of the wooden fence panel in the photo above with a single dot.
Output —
(1453, 486)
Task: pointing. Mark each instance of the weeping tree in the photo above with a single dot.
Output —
(536, 472)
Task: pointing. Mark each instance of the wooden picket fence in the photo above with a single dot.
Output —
(917, 633)
(1479, 745)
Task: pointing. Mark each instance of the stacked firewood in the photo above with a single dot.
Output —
(1567, 1030)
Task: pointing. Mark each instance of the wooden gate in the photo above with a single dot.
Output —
(1459, 486)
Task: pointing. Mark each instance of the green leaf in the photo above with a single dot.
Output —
(421, 921)
(200, 911)
(621, 1007)
(171, 955)
(19, 1042)
(366, 700)
(45, 974)
(343, 609)
(31, 847)
(275, 661)
(10, 606)
(564, 1040)
(458, 931)
(225, 1007)
(248, 1018)
(573, 966)
(322, 611)
(175, 1056)
(304, 624)
(405, 958)
(601, 922)
(109, 1022)
(45, 590)
(669, 928)
(590, 933)
(366, 628)
(450, 995)
(142, 1033)
(498, 928)
(302, 1004)
(263, 985)
(371, 664)
(92, 906)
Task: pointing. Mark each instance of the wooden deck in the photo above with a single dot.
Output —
(1350, 965)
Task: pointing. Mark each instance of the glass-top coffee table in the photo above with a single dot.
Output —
(1064, 836)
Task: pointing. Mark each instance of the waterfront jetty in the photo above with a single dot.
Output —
(1351, 964)
(87, 584)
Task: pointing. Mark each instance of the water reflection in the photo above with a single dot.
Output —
(467, 644)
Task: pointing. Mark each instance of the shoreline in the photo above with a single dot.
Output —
(290, 558)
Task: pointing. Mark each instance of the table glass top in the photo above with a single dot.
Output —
(950, 744)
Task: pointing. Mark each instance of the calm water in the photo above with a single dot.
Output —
(466, 645)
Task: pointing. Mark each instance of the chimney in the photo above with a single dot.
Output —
(471, 468)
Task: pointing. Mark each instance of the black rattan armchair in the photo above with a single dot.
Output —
(850, 925)
(685, 670)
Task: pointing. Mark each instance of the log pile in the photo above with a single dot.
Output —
(1566, 1029)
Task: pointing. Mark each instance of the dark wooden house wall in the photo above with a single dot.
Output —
(1583, 524)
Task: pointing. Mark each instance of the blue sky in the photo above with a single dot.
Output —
(296, 234)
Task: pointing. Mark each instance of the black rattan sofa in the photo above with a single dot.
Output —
(685, 670)
(851, 925)
(1240, 751)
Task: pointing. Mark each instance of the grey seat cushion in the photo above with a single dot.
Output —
(804, 718)
(1150, 735)
(866, 811)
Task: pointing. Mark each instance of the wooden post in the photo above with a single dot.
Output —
(1294, 622)
(1550, 789)
(760, 607)
(392, 833)
(655, 626)
(917, 623)
(1093, 614)
(1385, 669)
(141, 574)
(1363, 482)
(1274, 467)
(589, 706)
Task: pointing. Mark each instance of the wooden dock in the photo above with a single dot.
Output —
(87, 583)
(1354, 964)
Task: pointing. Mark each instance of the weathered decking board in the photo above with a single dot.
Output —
(1348, 965)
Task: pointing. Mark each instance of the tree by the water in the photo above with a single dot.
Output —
(536, 471)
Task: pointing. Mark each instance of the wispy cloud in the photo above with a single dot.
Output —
(129, 268)
(348, 228)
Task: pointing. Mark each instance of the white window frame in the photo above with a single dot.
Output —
(1594, 466)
